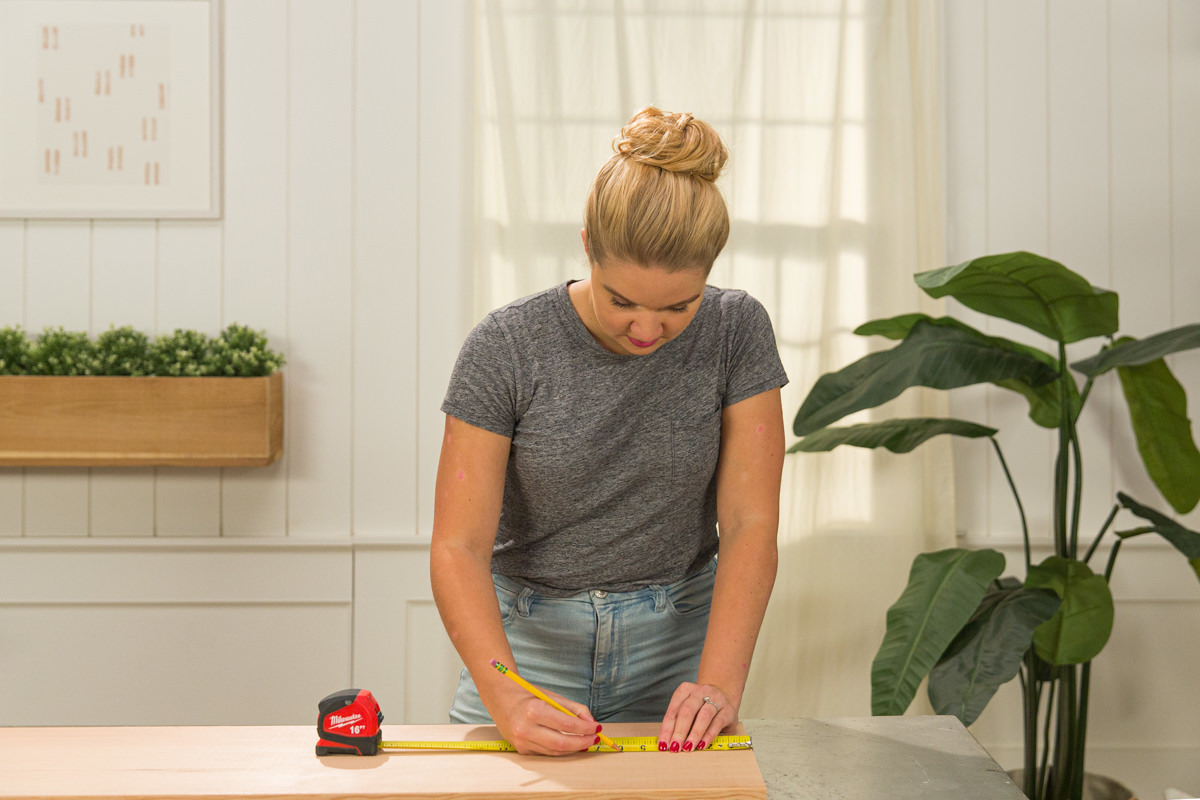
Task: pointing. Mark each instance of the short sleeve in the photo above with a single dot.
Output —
(482, 390)
(753, 363)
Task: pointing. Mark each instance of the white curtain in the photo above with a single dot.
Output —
(829, 108)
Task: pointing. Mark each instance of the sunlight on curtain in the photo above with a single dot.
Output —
(829, 109)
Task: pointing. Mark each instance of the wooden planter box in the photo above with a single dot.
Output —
(122, 421)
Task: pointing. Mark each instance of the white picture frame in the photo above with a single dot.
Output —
(110, 109)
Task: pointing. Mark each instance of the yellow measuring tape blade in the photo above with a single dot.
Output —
(643, 744)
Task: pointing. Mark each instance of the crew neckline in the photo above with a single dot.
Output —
(580, 328)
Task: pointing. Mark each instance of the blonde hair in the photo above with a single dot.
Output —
(655, 202)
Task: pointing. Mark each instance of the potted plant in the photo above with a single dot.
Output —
(181, 399)
(958, 622)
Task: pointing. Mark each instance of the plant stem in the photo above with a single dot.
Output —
(1103, 530)
(1030, 691)
(1112, 562)
(1044, 772)
(1076, 448)
(1069, 762)
(1085, 682)
(1087, 389)
(1078, 498)
(1061, 465)
(1064, 767)
(1020, 508)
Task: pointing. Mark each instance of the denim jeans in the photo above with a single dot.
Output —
(622, 654)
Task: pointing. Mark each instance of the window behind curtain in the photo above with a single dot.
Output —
(828, 109)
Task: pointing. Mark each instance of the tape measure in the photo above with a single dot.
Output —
(645, 744)
(348, 723)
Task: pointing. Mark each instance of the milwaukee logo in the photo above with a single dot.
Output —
(340, 722)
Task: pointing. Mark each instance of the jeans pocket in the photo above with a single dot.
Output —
(692, 596)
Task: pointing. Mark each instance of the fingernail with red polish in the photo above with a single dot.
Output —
(674, 747)
(662, 746)
(598, 728)
(703, 744)
(597, 741)
(687, 746)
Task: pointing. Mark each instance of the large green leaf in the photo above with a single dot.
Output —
(1081, 627)
(987, 653)
(898, 327)
(1183, 539)
(1044, 399)
(1029, 290)
(897, 435)
(1131, 352)
(937, 356)
(944, 590)
(1158, 411)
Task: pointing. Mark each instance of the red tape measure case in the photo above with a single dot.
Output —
(348, 724)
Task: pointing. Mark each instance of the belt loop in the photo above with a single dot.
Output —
(523, 601)
(660, 597)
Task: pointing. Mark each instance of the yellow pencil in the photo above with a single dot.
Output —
(540, 695)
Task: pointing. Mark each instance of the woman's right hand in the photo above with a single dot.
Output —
(534, 726)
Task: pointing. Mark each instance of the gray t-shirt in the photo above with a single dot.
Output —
(611, 476)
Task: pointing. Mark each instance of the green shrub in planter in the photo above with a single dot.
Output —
(237, 351)
(15, 351)
(180, 354)
(241, 352)
(123, 351)
(60, 352)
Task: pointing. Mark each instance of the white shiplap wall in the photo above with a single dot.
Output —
(244, 595)
(1073, 130)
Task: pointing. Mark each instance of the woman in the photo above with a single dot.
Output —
(597, 436)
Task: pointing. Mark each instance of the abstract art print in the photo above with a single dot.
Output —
(110, 108)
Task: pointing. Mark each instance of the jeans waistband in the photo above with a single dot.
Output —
(596, 597)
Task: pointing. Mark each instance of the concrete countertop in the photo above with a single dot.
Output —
(861, 758)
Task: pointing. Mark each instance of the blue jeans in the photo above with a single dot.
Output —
(622, 654)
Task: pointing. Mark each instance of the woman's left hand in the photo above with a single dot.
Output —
(697, 713)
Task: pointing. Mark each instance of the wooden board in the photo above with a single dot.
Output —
(126, 421)
(258, 762)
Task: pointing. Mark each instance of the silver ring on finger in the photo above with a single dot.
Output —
(716, 707)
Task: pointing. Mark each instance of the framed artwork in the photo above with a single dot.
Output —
(110, 108)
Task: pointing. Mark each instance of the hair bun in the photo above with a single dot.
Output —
(674, 142)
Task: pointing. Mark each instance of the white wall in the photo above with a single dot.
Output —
(1073, 130)
(244, 595)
